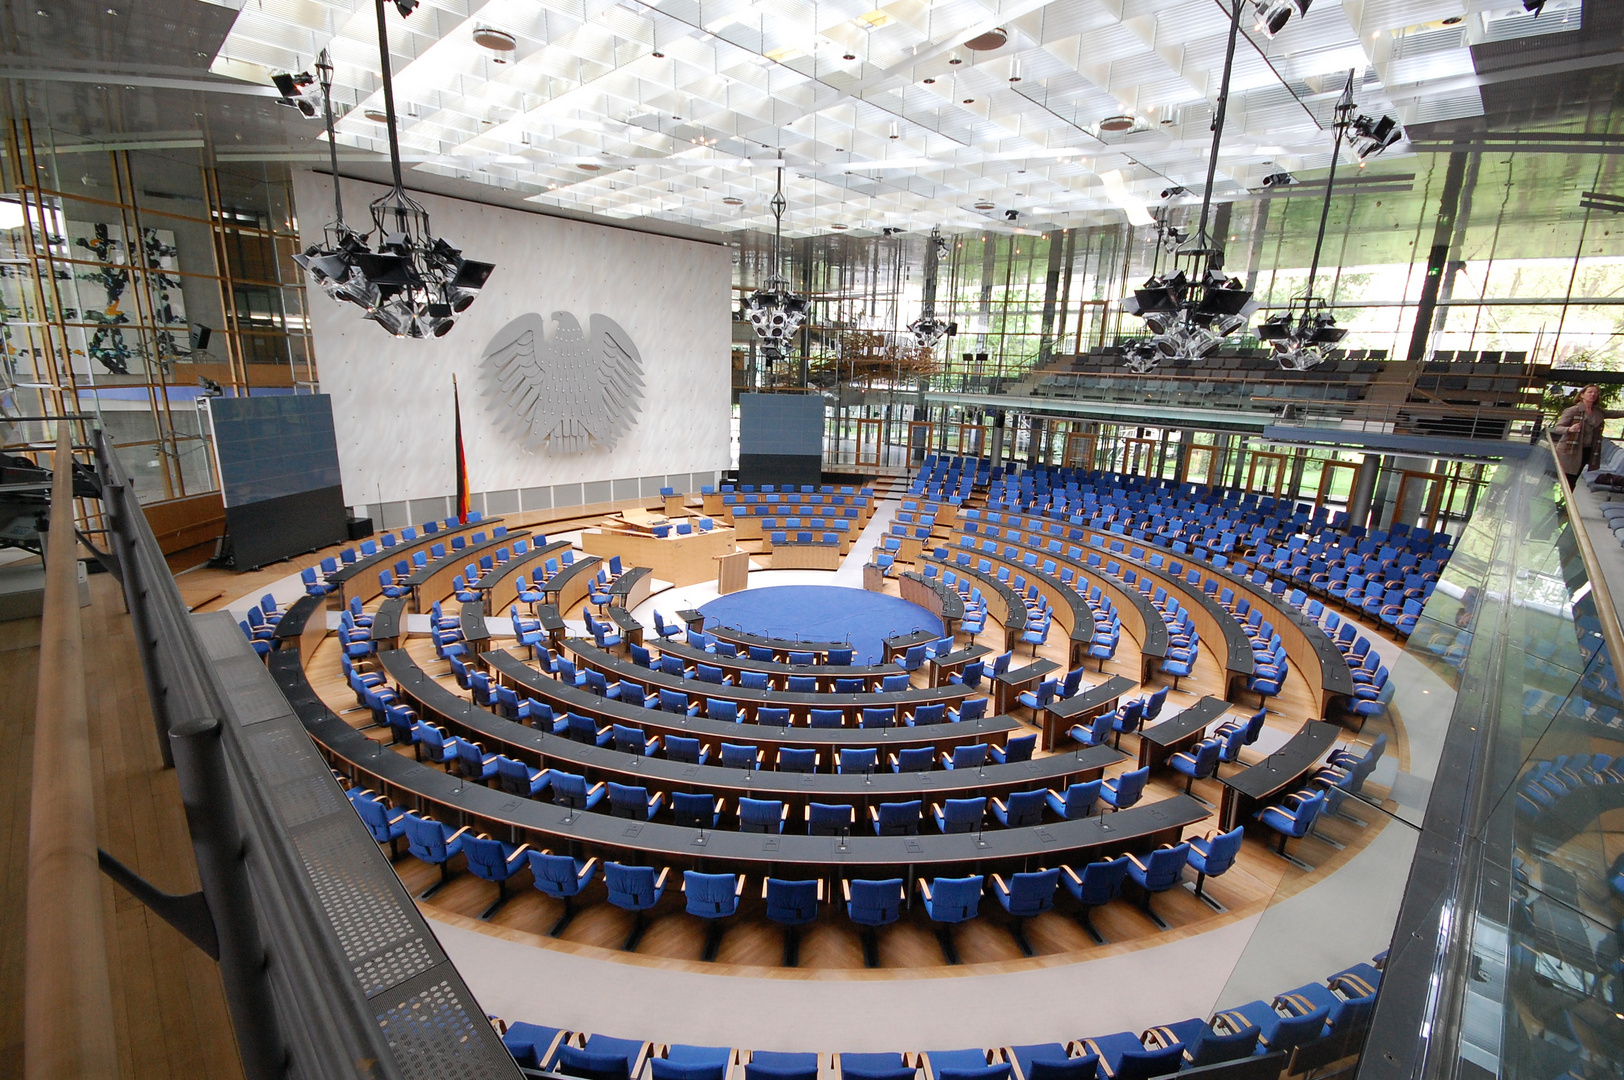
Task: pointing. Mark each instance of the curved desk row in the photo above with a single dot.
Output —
(1310, 647)
(303, 624)
(437, 703)
(781, 647)
(435, 579)
(1014, 617)
(501, 583)
(353, 579)
(570, 585)
(514, 672)
(455, 801)
(589, 656)
(826, 674)
(1212, 620)
(944, 603)
(1153, 650)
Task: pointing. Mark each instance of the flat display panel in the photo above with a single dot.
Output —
(781, 424)
(274, 446)
(279, 475)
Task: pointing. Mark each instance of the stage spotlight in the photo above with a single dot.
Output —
(291, 85)
(1272, 15)
(1011, 215)
(1279, 179)
(1369, 136)
(405, 7)
(1174, 192)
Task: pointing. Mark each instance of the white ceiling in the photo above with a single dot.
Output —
(682, 104)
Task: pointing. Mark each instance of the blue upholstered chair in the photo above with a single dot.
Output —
(949, 901)
(1024, 896)
(562, 878)
(635, 889)
(872, 904)
(712, 897)
(792, 905)
(1158, 872)
(1098, 884)
(493, 860)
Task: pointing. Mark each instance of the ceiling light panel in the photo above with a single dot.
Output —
(740, 80)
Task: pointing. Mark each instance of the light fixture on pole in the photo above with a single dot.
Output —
(413, 284)
(1303, 335)
(928, 330)
(1272, 15)
(774, 312)
(1189, 314)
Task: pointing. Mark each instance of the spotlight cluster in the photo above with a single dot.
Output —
(414, 285)
(1369, 136)
(1303, 336)
(928, 330)
(1187, 319)
(775, 313)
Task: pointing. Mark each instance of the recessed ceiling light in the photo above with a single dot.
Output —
(587, 166)
(984, 206)
(929, 82)
(377, 116)
(497, 41)
(658, 55)
(731, 201)
(995, 38)
(848, 56)
(114, 11)
(1117, 123)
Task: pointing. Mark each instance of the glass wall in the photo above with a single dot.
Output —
(1525, 270)
(132, 281)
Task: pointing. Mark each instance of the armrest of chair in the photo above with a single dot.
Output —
(924, 889)
(457, 834)
(1003, 808)
(659, 882)
(785, 815)
(1135, 860)
(845, 886)
(595, 788)
(518, 853)
(999, 884)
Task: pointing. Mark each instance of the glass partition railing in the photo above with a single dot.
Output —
(1509, 945)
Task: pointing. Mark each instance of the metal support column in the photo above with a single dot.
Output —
(1364, 487)
(217, 841)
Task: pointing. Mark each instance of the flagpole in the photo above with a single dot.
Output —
(461, 457)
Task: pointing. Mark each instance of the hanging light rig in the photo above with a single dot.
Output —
(414, 284)
(928, 330)
(1189, 315)
(774, 312)
(1303, 335)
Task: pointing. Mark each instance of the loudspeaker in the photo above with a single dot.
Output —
(200, 336)
(358, 528)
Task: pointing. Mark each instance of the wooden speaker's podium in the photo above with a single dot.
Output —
(732, 572)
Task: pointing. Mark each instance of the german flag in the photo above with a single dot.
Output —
(462, 458)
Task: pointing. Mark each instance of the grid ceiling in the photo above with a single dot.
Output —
(880, 117)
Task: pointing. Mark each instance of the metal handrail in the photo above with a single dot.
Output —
(1610, 631)
(67, 1003)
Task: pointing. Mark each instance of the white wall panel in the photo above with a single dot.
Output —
(392, 398)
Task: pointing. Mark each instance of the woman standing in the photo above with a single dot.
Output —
(1578, 433)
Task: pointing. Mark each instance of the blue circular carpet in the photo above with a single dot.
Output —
(822, 613)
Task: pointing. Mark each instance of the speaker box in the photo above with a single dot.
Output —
(358, 528)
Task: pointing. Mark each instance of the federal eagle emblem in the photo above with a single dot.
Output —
(567, 393)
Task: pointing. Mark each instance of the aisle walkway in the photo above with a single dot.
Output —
(850, 573)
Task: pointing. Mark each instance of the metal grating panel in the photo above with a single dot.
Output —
(436, 1033)
(394, 967)
(365, 910)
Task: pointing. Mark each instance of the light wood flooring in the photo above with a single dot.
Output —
(170, 1016)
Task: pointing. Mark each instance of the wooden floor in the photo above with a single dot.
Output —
(170, 1016)
(833, 947)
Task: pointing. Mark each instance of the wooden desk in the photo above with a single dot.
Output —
(732, 572)
(640, 519)
(899, 644)
(1059, 717)
(570, 585)
(929, 593)
(681, 560)
(360, 578)
(1281, 771)
(940, 667)
(500, 584)
(806, 556)
(874, 578)
(1008, 686)
(1177, 733)
(433, 582)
